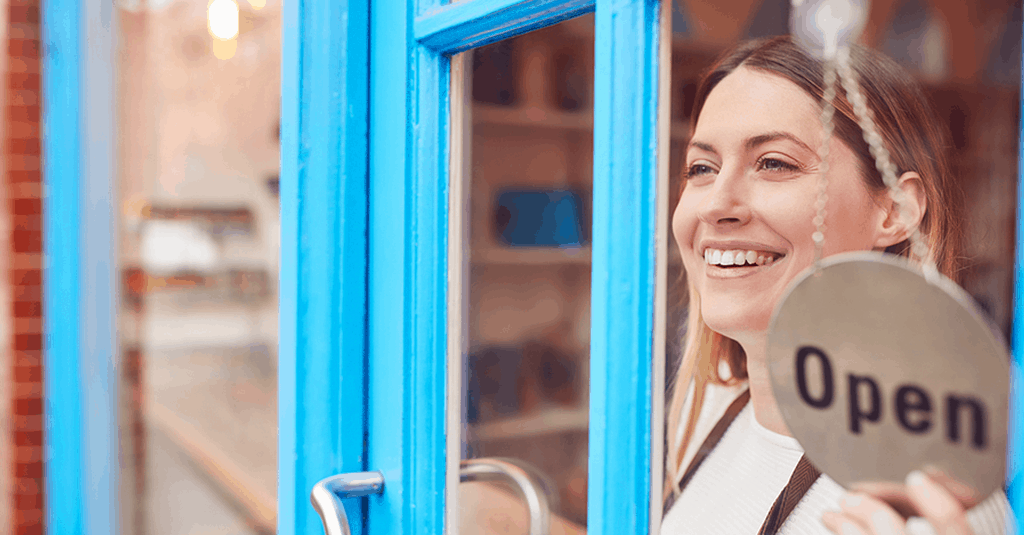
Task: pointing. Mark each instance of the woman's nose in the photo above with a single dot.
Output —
(726, 202)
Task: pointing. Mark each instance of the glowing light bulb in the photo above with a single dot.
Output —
(824, 26)
(222, 17)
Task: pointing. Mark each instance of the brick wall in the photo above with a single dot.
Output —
(23, 213)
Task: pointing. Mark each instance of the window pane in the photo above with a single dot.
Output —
(975, 96)
(199, 165)
(528, 146)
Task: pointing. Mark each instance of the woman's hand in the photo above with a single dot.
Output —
(941, 500)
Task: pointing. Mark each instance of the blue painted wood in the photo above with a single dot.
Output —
(1015, 453)
(79, 294)
(622, 284)
(408, 272)
(322, 363)
(452, 28)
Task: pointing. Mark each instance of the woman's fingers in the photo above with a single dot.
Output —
(965, 494)
(942, 510)
(872, 513)
(842, 525)
(893, 494)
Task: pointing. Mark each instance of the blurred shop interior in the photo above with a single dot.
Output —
(199, 104)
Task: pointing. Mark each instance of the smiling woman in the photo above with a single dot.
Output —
(745, 226)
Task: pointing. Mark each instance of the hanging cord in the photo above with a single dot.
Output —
(828, 112)
(918, 249)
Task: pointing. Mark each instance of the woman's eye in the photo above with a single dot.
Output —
(774, 164)
(698, 169)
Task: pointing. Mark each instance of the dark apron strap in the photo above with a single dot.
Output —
(714, 437)
(804, 475)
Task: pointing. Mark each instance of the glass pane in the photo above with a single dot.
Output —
(199, 174)
(527, 202)
(975, 97)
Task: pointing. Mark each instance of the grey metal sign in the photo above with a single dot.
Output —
(879, 371)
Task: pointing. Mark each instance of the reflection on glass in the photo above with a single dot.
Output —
(529, 193)
(199, 161)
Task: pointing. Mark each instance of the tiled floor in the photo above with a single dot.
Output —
(210, 396)
(180, 499)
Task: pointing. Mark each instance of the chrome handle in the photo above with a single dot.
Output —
(536, 501)
(327, 494)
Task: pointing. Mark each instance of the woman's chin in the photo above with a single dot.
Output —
(743, 330)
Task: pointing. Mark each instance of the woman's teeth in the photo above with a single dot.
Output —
(739, 257)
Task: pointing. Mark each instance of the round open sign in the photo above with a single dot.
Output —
(878, 371)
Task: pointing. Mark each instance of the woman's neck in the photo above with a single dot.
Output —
(762, 398)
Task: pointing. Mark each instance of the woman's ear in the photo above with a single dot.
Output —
(900, 222)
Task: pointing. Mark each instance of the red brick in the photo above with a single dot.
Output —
(22, 162)
(23, 113)
(29, 422)
(22, 65)
(28, 325)
(23, 30)
(27, 293)
(27, 223)
(34, 529)
(29, 13)
(22, 129)
(28, 407)
(27, 517)
(31, 438)
(23, 48)
(25, 191)
(28, 309)
(28, 501)
(23, 80)
(28, 454)
(23, 146)
(28, 358)
(27, 485)
(22, 98)
(27, 390)
(28, 470)
(28, 342)
(27, 207)
(26, 277)
(24, 176)
(28, 373)
(27, 241)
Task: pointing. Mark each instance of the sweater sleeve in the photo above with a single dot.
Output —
(990, 517)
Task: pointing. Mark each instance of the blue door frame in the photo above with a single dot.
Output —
(406, 180)
(363, 284)
(79, 268)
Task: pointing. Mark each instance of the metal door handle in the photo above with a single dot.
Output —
(493, 468)
(327, 494)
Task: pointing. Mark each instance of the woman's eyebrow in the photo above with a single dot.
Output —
(702, 146)
(768, 137)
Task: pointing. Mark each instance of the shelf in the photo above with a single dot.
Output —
(548, 118)
(547, 421)
(533, 116)
(531, 256)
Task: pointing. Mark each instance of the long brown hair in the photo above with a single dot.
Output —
(916, 142)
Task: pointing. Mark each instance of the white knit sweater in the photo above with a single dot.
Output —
(733, 490)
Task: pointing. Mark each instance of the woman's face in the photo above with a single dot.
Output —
(745, 219)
